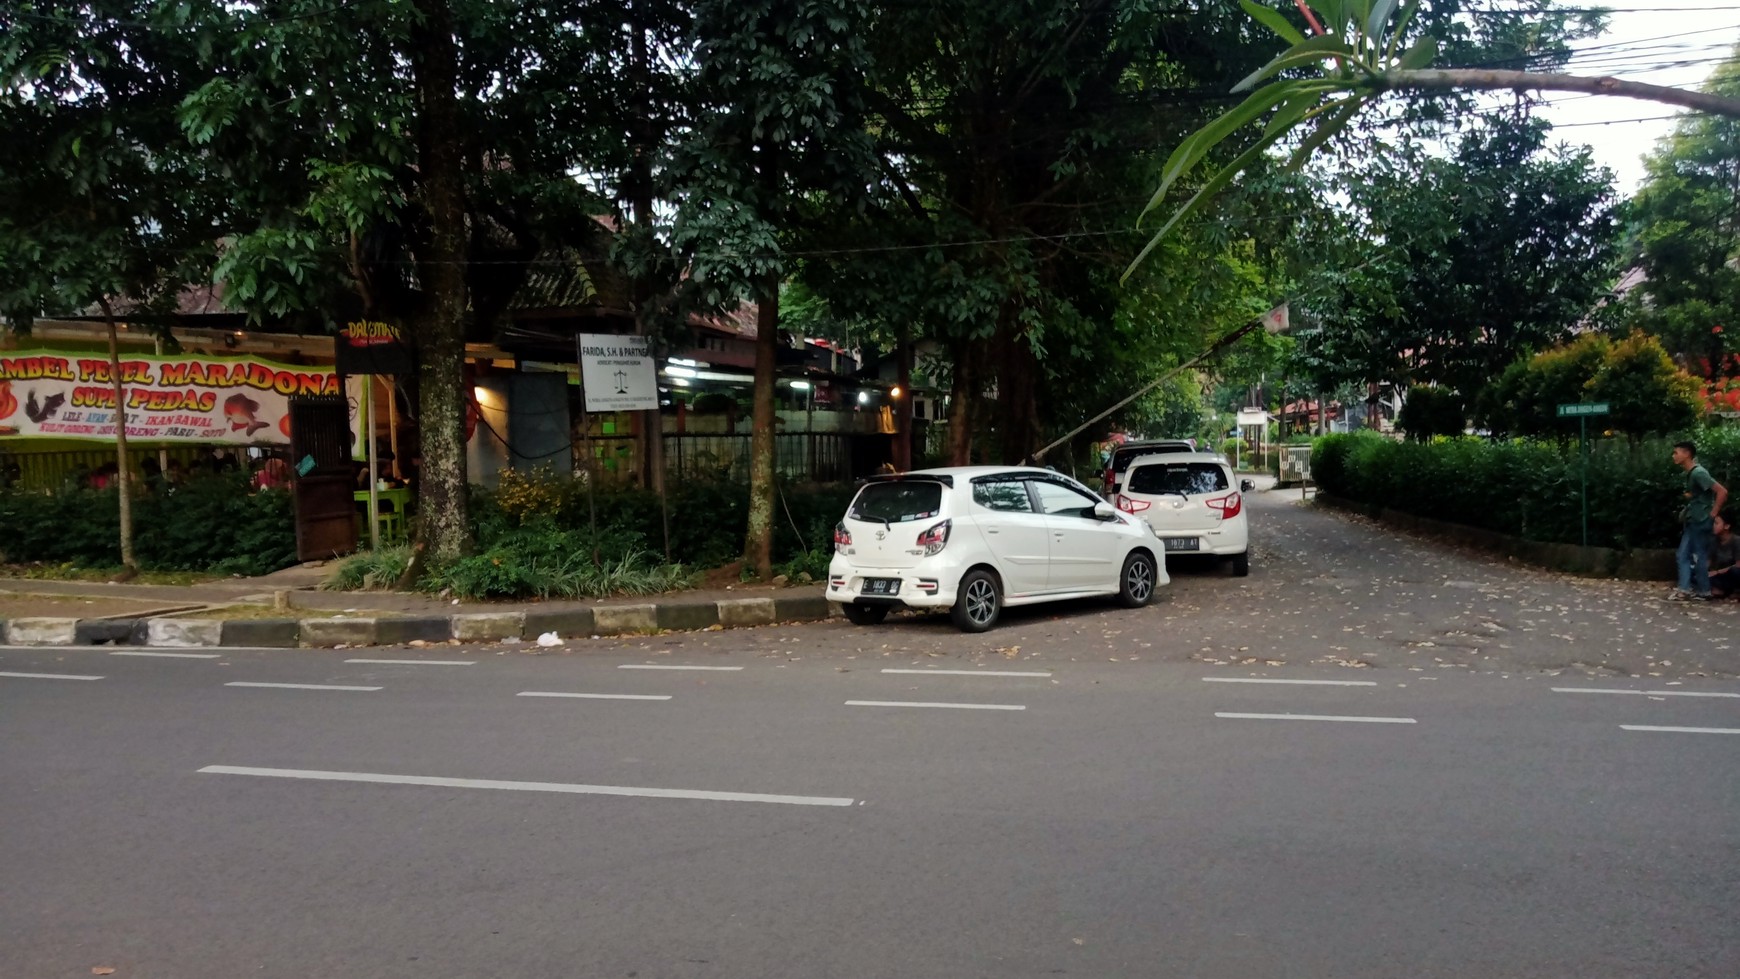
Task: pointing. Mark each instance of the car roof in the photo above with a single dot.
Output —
(967, 472)
(1176, 457)
(1152, 442)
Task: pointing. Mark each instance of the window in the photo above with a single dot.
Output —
(897, 502)
(1005, 495)
(1156, 479)
(1060, 500)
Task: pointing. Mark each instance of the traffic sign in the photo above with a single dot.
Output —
(1587, 408)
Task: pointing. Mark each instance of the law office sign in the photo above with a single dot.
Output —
(618, 373)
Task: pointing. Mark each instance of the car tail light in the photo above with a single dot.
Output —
(1229, 505)
(842, 537)
(1132, 506)
(935, 539)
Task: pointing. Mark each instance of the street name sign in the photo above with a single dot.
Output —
(618, 373)
(1579, 410)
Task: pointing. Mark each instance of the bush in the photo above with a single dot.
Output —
(211, 523)
(369, 570)
(1528, 489)
(708, 517)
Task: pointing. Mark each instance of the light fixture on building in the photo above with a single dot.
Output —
(686, 362)
(680, 371)
(895, 392)
(863, 397)
(800, 385)
(681, 382)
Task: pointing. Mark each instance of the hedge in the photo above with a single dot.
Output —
(1525, 488)
(212, 523)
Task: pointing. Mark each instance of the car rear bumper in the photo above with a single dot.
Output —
(924, 587)
(1222, 542)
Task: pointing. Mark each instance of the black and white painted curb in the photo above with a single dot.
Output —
(352, 631)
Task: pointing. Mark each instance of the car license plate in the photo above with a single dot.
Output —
(881, 586)
(1183, 543)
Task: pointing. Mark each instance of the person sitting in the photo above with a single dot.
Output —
(275, 474)
(1724, 559)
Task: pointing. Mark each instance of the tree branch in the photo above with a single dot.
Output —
(1448, 79)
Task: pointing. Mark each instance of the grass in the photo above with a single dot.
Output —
(68, 572)
(369, 571)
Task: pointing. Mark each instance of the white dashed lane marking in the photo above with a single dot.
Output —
(966, 673)
(1317, 717)
(302, 686)
(593, 696)
(555, 787)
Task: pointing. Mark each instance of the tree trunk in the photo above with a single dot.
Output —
(903, 405)
(963, 391)
(758, 543)
(445, 523)
(123, 475)
(1017, 373)
(1457, 79)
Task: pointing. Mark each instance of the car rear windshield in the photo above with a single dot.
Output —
(1123, 457)
(1177, 477)
(899, 502)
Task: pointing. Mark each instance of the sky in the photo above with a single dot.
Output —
(1661, 42)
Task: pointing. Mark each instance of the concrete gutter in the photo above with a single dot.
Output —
(398, 630)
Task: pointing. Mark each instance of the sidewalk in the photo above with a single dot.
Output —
(286, 609)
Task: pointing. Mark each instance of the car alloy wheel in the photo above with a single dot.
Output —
(979, 602)
(1136, 588)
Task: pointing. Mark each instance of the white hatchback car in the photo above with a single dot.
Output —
(977, 539)
(1193, 504)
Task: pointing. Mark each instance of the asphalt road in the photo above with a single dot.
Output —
(792, 811)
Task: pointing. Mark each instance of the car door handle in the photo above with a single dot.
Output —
(991, 530)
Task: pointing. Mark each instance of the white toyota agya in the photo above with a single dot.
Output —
(977, 539)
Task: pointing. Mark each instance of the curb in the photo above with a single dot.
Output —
(326, 633)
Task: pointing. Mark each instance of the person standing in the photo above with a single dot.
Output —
(1704, 500)
(1724, 560)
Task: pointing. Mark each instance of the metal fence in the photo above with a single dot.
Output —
(823, 457)
(47, 471)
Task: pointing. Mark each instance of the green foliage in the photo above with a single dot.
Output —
(369, 570)
(1648, 394)
(1492, 252)
(211, 523)
(1363, 51)
(1430, 412)
(1687, 236)
(707, 517)
(1527, 489)
(813, 563)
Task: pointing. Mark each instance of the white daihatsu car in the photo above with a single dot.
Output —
(1192, 503)
(976, 539)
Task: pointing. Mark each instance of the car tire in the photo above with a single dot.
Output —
(1137, 581)
(1241, 564)
(866, 614)
(979, 603)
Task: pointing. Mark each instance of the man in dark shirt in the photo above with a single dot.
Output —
(1704, 499)
(1724, 560)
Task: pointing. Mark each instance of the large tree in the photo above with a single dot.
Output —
(1464, 261)
(779, 135)
(409, 162)
(1686, 228)
(100, 201)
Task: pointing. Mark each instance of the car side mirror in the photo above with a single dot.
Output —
(1247, 485)
(1104, 511)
